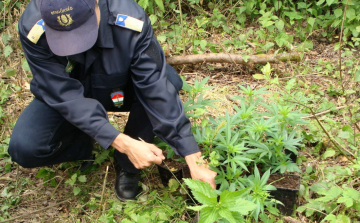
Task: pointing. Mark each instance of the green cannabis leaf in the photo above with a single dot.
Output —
(231, 206)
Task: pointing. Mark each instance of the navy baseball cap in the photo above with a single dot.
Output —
(70, 25)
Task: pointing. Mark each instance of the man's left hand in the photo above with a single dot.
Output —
(200, 170)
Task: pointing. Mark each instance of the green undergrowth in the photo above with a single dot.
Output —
(310, 109)
(251, 27)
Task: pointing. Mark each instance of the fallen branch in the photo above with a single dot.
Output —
(233, 58)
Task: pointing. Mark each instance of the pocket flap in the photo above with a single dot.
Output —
(108, 81)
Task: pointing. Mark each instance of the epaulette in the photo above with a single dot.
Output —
(129, 22)
(36, 31)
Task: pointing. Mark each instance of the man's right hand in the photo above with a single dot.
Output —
(140, 153)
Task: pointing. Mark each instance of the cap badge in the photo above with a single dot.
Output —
(65, 19)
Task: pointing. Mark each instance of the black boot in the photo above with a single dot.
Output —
(126, 184)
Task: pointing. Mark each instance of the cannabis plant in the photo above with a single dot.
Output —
(258, 192)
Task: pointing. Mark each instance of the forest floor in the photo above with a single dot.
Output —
(45, 194)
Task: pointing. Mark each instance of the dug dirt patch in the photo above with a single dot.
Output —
(284, 181)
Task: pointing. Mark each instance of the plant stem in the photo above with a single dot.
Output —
(334, 142)
(315, 210)
(102, 193)
(17, 179)
(182, 27)
(340, 63)
(57, 186)
(324, 112)
(340, 43)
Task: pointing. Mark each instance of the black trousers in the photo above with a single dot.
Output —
(42, 137)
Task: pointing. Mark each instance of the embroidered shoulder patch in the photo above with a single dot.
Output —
(36, 31)
(129, 22)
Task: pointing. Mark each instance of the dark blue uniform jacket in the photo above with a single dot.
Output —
(120, 58)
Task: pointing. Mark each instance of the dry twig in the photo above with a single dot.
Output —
(7, 179)
(291, 220)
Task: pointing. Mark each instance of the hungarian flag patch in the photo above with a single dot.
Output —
(118, 98)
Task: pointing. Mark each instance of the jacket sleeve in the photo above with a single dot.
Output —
(158, 95)
(56, 88)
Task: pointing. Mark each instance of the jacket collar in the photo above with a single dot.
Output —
(105, 37)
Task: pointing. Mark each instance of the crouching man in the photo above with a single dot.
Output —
(92, 56)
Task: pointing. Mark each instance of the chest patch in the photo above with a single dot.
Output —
(117, 97)
(36, 31)
(129, 22)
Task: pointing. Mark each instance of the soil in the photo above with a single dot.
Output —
(186, 172)
(287, 187)
(285, 181)
(173, 164)
(173, 167)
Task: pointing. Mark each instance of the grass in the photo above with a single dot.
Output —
(48, 194)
